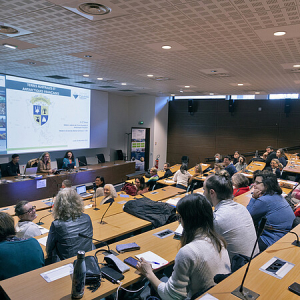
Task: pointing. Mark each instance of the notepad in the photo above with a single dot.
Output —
(43, 230)
(43, 240)
(58, 273)
(173, 201)
(179, 230)
(155, 260)
(208, 297)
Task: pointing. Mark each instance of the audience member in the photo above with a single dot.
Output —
(218, 157)
(276, 167)
(268, 202)
(140, 185)
(66, 184)
(202, 254)
(109, 194)
(25, 227)
(241, 165)
(168, 172)
(44, 164)
(236, 156)
(69, 220)
(99, 186)
(231, 219)
(181, 177)
(269, 155)
(197, 172)
(153, 174)
(281, 157)
(240, 184)
(69, 160)
(17, 256)
(13, 168)
(218, 167)
(229, 167)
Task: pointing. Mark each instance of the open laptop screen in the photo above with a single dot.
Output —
(81, 189)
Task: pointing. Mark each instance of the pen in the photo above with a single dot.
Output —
(153, 262)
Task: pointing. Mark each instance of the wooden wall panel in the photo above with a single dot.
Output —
(212, 128)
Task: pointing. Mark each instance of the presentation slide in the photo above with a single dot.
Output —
(41, 116)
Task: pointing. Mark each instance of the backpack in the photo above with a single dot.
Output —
(129, 189)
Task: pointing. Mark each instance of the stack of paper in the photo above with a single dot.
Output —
(155, 260)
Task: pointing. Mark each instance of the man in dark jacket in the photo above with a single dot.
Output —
(270, 153)
(168, 172)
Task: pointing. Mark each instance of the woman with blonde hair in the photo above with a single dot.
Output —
(69, 220)
(276, 167)
(44, 164)
(109, 194)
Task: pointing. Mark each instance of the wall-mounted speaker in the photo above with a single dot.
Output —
(191, 107)
(287, 106)
(231, 106)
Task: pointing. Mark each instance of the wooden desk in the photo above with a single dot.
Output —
(293, 166)
(264, 284)
(290, 156)
(163, 193)
(11, 193)
(32, 286)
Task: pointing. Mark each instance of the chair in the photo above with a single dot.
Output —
(101, 158)
(32, 163)
(82, 161)
(4, 172)
(59, 162)
(120, 155)
(185, 159)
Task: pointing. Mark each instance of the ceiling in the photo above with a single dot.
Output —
(216, 44)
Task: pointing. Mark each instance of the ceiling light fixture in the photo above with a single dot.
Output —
(94, 9)
(8, 30)
(100, 78)
(10, 46)
(296, 66)
(181, 91)
(166, 47)
(150, 75)
(211, 94)
(279, 33)
(86, 75)
(88, 56)
(187, 86)
(240, 84)
(172, 95)
(257, 93)
(123, 83)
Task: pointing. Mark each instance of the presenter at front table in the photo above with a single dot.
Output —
(68, 160)
(44, 164)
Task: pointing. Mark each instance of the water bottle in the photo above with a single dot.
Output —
(79, 273)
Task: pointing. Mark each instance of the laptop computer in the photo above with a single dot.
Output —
(30, 171)
(81, 190)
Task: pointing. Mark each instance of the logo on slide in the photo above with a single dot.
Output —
(40, 109)
(75, 96)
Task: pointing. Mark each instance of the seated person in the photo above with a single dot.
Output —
(281, 157)
(202, 254)
(140, 185)
(218, 157)
(66, 184)
(44, 164)
(268, 202)
(109, 194)
(240, 184)
(198, 172)
(69, 220)
(296, 193)
(241, 165)
(13, 168)
(182, 177)
(99, 186)
(17, 256)
(68, 160)
(25, 227)
(236, 156)
(168, 172)
(218, 167)
(269, 155)
(276, 167)
(229, 167)
(153, 174)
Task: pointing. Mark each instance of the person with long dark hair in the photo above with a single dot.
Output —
(202, 254)
(69, 159)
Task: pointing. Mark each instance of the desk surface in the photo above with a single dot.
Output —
(32, 286)
(163, 193)
(264, 284)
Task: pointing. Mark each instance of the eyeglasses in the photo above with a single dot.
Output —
(257, 182)
(30, 210)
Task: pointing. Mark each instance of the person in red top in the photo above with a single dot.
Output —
(240, 183)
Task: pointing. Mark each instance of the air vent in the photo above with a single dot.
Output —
(219, 74)
(126, 90)
(8, 30)
(57, 77)
(85, 82)
(94, 9)
(107, 87)
(160, 78)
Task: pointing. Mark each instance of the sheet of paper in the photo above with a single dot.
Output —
(208, 297)
(88, 206)
(155, 260)
(179, 230)
(42, 183)
(124, 195)
(58, 273)
(173, 201)
(121, 202)
(169, 181)
(43, 240)
(43, 230)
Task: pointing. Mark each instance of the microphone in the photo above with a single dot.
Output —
(241, 292)
(91, 238)
(41, 223)
(295, 243)
(95, 196)
(101, 221)
(50, 210)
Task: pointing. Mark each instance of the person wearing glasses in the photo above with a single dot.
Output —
(202, 254)
(268, 202)
(25, 227)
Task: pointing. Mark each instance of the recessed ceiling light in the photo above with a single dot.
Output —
(88, 56)
(211, 94)
(150, 75)
(181, 91)
(187, 86)
(166, 47)
(296, 66)
(172, 95)
(94, 9)
(279, 33)
(257, 93)
(123, 83)
(213, 71)
(240, 84)
(86, 75)
(100, 78)
(31, 63)
(8, 30)
(10, 46)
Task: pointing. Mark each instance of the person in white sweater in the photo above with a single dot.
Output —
(202, 254)
(182, 177)
(25, 227)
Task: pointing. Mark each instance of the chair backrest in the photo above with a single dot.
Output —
(185, 159)
(82, 161)
(59, 162)
(4, 171)
(32, 163)
(120, 155)
(101, 158)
